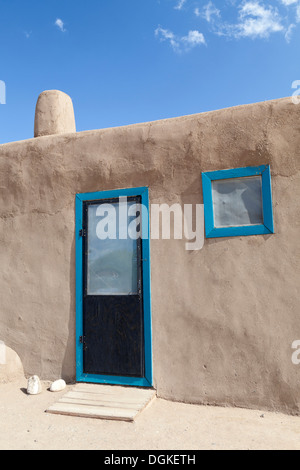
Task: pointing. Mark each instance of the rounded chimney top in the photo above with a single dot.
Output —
(54, 114)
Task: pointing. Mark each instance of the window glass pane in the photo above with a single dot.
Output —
(237, 201)
(112, 263)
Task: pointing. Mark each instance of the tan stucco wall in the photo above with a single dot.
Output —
(224, 317)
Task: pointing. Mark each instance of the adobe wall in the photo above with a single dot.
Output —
(224, 317)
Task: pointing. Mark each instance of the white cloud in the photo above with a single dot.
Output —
(194, 38)
(167, 35)
(289, 32)
(295, 3)
(180, 4)
(179, 43)
(258, 20)
(255, 20)
(289, 2)
(60, 24)
(209, 11)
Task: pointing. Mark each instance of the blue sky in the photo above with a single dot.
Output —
(129, 61)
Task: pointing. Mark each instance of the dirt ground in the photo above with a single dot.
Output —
(163, 425)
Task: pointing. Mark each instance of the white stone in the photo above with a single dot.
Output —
(34, 386)
(58, 385)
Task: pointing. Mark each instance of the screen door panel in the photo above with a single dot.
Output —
(112, 262)
(113, 330)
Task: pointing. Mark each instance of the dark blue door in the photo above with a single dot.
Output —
(113, 329)
(113, 302)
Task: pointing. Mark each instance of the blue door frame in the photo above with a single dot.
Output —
(105, 379)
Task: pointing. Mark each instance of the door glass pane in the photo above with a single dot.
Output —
(112, 253)
(237, 201)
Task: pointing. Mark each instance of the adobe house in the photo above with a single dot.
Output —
(211, 326)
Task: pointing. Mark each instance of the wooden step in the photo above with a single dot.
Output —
(103, 402)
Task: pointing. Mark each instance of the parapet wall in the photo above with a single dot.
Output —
(224, 317)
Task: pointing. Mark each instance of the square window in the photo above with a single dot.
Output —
(238, 202)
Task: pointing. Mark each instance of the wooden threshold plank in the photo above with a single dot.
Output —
(114, 392)
(107, 398)
(92, 412)
(119, 405)
(102, 401)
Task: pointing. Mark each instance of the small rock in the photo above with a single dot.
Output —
(58, 385)
(34, 386)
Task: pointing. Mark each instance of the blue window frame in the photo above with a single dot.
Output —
(147, 380)
(229, 200)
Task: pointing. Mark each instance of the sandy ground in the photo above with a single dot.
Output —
(163, 425)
